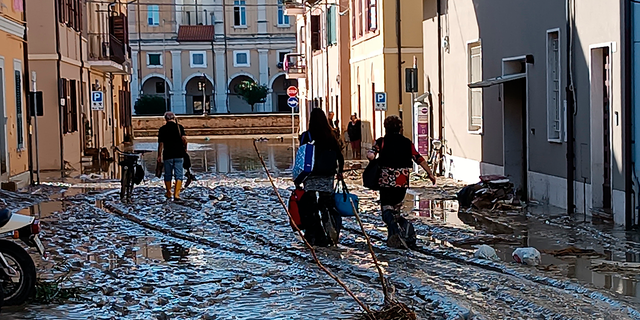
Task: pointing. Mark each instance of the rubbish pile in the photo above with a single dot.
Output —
(492, 192)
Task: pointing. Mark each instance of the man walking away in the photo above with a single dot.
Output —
(171, 147)
(354, 130)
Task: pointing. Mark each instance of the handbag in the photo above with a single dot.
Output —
(294, 208)
(371, 174)
(343, 200)
(159, 166)
(304, 162)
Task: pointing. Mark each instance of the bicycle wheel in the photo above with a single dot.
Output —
(124, 183)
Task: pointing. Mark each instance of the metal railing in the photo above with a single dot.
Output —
(105, 46)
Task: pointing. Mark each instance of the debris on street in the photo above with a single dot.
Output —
(529, 256)
(486, 252)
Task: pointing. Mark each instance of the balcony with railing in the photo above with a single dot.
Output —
(294, 7)
(109, 51)
(295, 66)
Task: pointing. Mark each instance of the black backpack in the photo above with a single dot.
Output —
(138, 174)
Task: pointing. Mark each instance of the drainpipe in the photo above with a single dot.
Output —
(440, 86)
(26, 76)
(399, 44)
(113, 122)
(570, 114)
(60, 116)
(83, 135)
(226, 47)
(626, 115)
(213, 105)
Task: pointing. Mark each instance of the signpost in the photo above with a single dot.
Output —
(292, 91)
(97, 100)
(292, 102)
(381, 101)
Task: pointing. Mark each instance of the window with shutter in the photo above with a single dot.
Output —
(73, 104)
(554, 111)
(19, 111)
(315, 32)
(475, 94)
(331, 26)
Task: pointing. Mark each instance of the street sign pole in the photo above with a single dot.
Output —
(35, 125)
(292, 102)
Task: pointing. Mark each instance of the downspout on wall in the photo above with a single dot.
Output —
(26, 77)
(60, 116)
(399, 44)
(630, 114)
(570, 113)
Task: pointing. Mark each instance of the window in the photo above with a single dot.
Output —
(153, 15)
(554, 111)
(372, 16)
(70, 107)
(315, 32)
(281, 55)
(239, 13)
(360, 18)
(354, 27)
(154, 60)
(70, 13)
(283, 19)
(332, 36)
(475, 94)
(19, 110)
(242, 58)
(198, 59)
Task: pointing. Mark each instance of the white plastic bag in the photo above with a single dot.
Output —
(486, 252)
(529, 256)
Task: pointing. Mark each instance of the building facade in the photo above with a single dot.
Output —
(77, 48)
(323, 50)
(501, 78)
(14, 155)
(193, 54)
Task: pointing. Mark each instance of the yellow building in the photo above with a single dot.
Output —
(375, 66)
(14, 155)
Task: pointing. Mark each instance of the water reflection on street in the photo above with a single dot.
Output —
(227, 156)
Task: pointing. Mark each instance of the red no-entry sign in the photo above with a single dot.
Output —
(292, 91)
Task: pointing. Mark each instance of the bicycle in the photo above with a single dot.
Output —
(437, 156)
(132, 172)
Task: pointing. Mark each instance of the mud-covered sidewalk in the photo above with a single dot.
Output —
(228, 252)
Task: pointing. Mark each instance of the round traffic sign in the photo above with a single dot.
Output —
(292, 102)
(292, 91)
(424, 110)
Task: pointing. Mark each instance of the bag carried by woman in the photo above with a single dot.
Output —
(344, 198)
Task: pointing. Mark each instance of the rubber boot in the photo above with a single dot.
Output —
(176, 193)
(167, 185)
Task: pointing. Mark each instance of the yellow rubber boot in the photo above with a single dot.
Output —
(167, 185)
(176, 192)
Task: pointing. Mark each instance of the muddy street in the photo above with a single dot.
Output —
(228, 252)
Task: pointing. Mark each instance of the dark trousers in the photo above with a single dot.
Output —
(316, 212)
(391, 200)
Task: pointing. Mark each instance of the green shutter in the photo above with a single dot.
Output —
(331, 25)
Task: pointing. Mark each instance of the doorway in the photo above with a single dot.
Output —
(601, 150)
(514, 135)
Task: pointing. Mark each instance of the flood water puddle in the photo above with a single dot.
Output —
(517, 229)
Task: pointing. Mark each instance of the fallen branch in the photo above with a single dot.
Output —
(373, 255)
(307, 244)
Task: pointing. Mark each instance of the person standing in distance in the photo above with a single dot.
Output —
(354, 130)
(171, 148)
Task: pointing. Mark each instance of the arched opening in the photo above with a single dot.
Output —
(156, 87)
(236, 103)
(279, 95)
(199, 92)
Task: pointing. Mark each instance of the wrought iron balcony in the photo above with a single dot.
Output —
(295, 66)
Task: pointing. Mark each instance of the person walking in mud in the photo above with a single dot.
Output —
(354, 131)
(395, 155)
(172, 143)
(323, 229)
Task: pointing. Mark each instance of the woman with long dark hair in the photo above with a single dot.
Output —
(395, 155)
(323, 229)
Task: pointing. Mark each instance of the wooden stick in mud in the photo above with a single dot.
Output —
(373, 255)
(307, 244)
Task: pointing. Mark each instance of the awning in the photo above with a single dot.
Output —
(497, 80)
